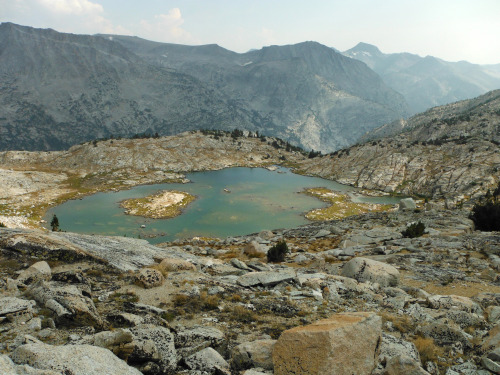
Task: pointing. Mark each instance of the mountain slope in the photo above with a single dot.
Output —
(427, 82)
(449, 152)
(307, 93)
(59, 89)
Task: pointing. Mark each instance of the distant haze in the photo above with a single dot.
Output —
(452, 30)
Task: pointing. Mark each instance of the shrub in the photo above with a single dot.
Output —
(428, 350)
(486, 216)
(414, 230)
(243, 315)
(2, 225)
(277, 253)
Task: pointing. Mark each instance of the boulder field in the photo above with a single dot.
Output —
(353, 296)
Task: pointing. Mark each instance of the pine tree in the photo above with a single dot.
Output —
(54, 223)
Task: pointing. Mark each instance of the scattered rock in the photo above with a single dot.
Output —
(267, 278)
(72, 359)
(154, 344)
(71, 304)
(253, 354)
(407, 204)
(149, 278)
(208, 360)
(39, 271)
(364, 269)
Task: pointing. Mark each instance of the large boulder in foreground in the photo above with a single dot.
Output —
(343, 344)
(364, 269)
(72, 359)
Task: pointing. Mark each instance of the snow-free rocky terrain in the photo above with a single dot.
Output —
(82, 304)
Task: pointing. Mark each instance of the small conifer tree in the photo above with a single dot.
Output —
(54, 223)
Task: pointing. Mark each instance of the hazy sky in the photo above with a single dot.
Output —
(449, 29)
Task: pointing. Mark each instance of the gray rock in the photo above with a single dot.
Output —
(71, 303)
(125, 319)
(407, 204)
(73, 359)
(493, 314)
(268, 278)
(15, 308)
(492, 361)
(254, 248)
(208, 360)
(111, 339)
(322, 233)
(190, 341)
(7, 367)
(39, 271)
(156, 344)
(266, 234)
(149, 278)
(454, 302)
(364, 269)
(239, 264)
(253, 354)
(465, 319)
(445, 334)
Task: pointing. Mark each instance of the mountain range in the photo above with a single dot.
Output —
(59, 89)
(427, 82)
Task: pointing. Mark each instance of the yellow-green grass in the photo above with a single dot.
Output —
(340, 205)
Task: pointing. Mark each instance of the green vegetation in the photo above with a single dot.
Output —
(277, 253)
(414, 230)
(486, 213)
(2, 225)
(341, 205)
(54, 224)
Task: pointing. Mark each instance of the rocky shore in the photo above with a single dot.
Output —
(352, 295)
(32, 182)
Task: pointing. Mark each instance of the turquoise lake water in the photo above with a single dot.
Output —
(259, 199)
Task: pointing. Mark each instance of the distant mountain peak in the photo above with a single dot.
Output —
(365, 47)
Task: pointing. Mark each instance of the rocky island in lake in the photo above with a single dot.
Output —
(162, 205)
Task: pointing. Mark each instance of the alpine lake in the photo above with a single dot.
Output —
(229, 202)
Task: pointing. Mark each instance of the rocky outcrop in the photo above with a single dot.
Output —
(252, 354)
(326, 347)
(266, 278)
(74, 359)
(39, 271)
(447, 152)
(363, 269)
(71, 304)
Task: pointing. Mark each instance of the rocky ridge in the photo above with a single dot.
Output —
(429, 305)
(449, 152)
